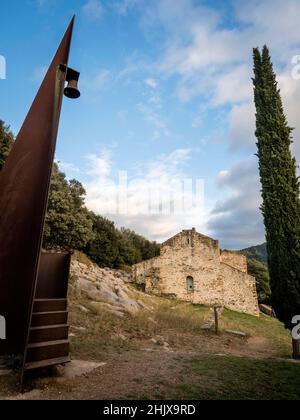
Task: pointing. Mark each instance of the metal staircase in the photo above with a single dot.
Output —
(48, 343)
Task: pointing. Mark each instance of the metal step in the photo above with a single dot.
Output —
(47, 350)
(47, 363)
(48, 333)
(40, 319)
(49, 305)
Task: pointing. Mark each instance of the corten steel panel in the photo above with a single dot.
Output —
(53, 276)
(24, 189)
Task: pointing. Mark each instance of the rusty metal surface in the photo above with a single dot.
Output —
(24, 189)
(53, 276)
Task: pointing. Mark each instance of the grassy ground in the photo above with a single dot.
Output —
(163, 353)
(234, 378)
(179, 324)
(168, 321)
(276, 338)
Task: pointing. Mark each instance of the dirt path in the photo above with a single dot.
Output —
(130, 375)
(147, 373)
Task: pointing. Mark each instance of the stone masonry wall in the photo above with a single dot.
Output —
(194, 255)
(239, 290)
(190, 254)
(235, 260)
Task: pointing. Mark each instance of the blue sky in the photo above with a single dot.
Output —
(166, 96)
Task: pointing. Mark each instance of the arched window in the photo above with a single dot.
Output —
(190, 284)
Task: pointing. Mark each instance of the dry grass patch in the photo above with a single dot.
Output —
(94, 332)
(82, 258)
(278, 339)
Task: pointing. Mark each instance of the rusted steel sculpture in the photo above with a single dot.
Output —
(27, 296)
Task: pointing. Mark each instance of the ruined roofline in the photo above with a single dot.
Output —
(193, 230)
(169, 241)
(231, 251)
(236, 253)
(146, 261)
(235, 268)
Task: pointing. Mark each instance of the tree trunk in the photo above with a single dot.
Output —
(296, 349)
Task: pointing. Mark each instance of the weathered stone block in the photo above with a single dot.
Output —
(192, 268)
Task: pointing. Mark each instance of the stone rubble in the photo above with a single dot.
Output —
(107, 289)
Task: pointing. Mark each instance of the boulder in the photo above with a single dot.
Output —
(107, 289)
(101, 306)
(267, 310)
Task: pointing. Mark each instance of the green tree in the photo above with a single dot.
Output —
(260, 272)
(127, 252)
(6, 142)
(258, 252)
(115, 248)
(103, 249)
(144, 249)
(280, 190)
(68, 223)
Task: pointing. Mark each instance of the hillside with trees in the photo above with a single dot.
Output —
(71, 226)
(257, 259)
(261, 273)
(258, 253)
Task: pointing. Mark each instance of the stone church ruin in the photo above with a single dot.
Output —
(191, 267)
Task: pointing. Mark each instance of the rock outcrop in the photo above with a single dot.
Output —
(106, 289)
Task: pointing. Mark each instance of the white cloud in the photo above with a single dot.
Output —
(216, 63)
(234, 86)
(179, 19)
(237, 220)
(100, 166)
(146, 201)
(101, 80)
(242, 116)
(206, 60)
(152, 83)
(282, 34)
(242, 127)
(93, 9)
(290, 90)
(156, 135)
(213, 63)
(98, 82)
(208, 48)
(153, 118)
(122, 7)
(67, 166)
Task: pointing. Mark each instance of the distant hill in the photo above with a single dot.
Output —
(258, 268)
(258, 253)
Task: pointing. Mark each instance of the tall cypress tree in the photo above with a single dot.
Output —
(280, 190)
